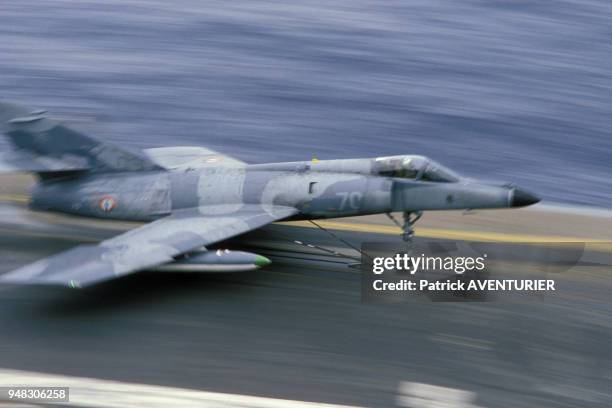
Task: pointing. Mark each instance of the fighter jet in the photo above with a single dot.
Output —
(193, 198)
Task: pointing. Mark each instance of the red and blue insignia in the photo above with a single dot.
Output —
(107, 203)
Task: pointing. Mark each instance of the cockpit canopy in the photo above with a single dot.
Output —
(414, 167)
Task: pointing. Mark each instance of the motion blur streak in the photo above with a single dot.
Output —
(517, 90)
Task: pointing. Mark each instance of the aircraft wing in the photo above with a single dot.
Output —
(148, 246)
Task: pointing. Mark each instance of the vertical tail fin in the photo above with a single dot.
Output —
(47, 141)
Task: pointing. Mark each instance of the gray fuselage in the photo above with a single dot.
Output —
(321, 189)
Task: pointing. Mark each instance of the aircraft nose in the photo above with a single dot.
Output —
(523, 198)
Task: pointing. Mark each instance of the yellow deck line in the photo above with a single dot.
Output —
(442, 233)
(14, 198)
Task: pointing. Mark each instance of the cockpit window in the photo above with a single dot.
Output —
(436, 172)
(414, 167)
(400, 173)
(398, 166)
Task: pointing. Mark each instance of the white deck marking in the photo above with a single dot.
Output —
(418, 395)
(97, 393)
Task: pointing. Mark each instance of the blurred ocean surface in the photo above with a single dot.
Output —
(506, 90)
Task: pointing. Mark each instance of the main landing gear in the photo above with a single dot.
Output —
(410, 218)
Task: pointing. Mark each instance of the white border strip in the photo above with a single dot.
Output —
(97, 393)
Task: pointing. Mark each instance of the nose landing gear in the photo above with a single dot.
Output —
(410, 218)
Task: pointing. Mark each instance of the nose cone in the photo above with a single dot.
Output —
(522, 198)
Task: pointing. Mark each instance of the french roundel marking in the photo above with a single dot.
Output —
(107, 203)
